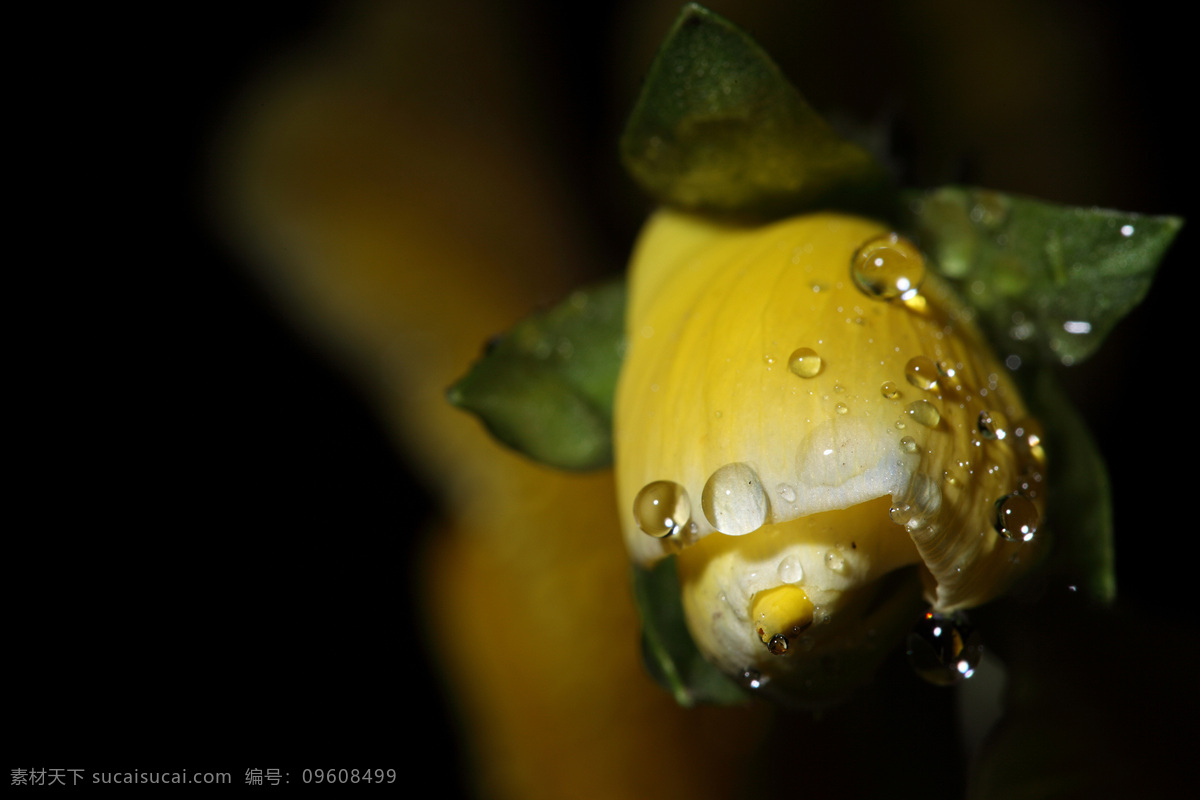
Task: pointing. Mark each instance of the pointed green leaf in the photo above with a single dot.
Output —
(719, 129)
(546, 387)
(1079, 512)
(1048, 281)
(671, 655)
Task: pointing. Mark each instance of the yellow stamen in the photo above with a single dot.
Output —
(781, 614)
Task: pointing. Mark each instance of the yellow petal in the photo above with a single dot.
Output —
(821, 432)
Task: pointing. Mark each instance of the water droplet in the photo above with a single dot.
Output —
(841, 408)
(946, 369)
(993, 425)
(786, 492)
(790, 570)
(835, 561)
(778, 645)
(922, 373)
(944, 649)
(1077, 326)
(734, 500)
(889, 390)
(662, 508)
(1031, 441)
(909, 445)
(924, 413)
(805, 362)
(888, 267)
(1016, 518)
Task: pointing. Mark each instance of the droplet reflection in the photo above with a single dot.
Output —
(662, 508)
(944, 649)
(888, 267)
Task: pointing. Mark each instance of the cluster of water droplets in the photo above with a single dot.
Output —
(930, 402)
(890, 268)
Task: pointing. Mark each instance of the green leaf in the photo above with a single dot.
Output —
(546, 387)
(719, 129)
(1048, 281)
(671, 655)
(1079, 514)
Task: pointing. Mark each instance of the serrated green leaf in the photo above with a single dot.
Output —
(671, 655)
(1048, 281)
(546, 387)
(719, 129)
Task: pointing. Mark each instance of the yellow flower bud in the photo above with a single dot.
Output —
(809, 420)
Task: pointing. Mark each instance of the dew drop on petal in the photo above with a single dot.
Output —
(790, 570)
(805, 362)
(889, 390)
(924, 413)
(662, 508)
(835, 561)
(786, 492)
(1016, 518)
(944, 649)
(841, 408)
(734, 500)
(888, 267)
(778, 645)
(909, 445)
(922, 373)
(993, 425)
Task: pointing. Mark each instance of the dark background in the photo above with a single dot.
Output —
(212, 537)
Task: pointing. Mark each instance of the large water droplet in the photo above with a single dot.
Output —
(805, 362)
(1016, 518)
(944, 649)
(889, 390)
(993, 425)
(922, 373)
(662, 508)
(778, 645)
(790, 570)
(888, 267)
(734, 500)
(924, 412)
